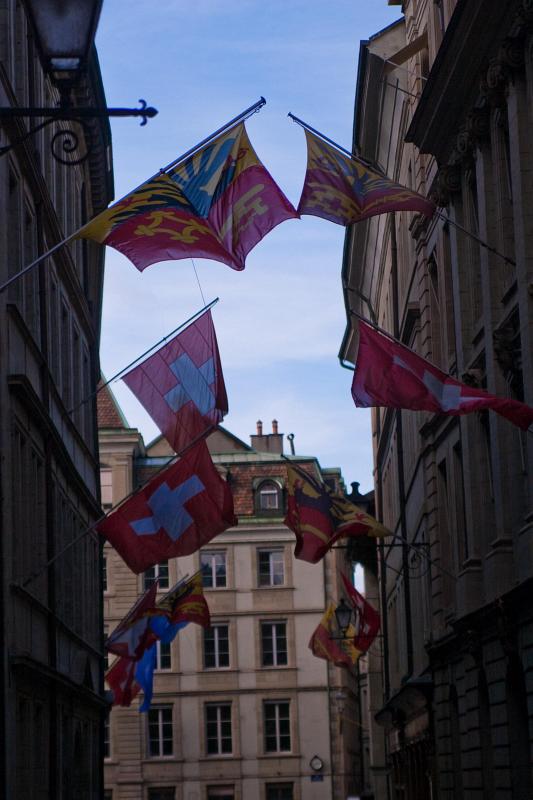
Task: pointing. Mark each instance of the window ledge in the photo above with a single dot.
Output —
(280, 754)
(269, 588)
(220, 756)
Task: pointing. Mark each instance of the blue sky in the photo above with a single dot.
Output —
(280, 322)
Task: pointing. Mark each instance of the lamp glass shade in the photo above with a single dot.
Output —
(343, 615)
(64, 31)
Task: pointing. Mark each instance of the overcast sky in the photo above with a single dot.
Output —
(281, 321)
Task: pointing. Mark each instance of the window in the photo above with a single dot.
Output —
(277, 727)
(162, 793)
(213, 566)
(163, 659)
(157, 571)
(274, 644)
(106, 488)
(268, 498)
(216, 646)
(220, 793)
(279, 791)
(271, 568)
(160, 731)
(108, 794)
(218, 728)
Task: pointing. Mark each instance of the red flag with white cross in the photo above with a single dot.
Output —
(181, 386)
(389, 374)
(179, 510)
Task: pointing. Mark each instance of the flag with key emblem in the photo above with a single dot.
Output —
(367, 620)
(174, 514)
(182, 386)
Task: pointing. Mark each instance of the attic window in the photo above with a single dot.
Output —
(268, 497)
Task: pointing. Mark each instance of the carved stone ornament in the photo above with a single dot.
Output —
(478, 124)
(446, 183)
(511, 53)
(464, 144)
(495, 81)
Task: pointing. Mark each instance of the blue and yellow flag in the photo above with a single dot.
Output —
(217, 204)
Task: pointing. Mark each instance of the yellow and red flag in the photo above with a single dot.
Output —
(217, 204)
(186, 603)
(342, 652)
(345, 190)
(319, 517)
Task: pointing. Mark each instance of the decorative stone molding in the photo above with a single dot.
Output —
(447, 182)
(494, 82)
(511, 53)
(478, 124)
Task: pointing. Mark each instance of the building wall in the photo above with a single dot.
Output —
(50, 666)
(459, 490)
(308, 684)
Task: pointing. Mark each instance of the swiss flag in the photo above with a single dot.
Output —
(174, 514)
(133, 635)
(121, 681)
(389, 374)
(182, 386)
(367, 618)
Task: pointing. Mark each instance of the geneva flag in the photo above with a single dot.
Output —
(345, 190)
(219, 203)
(342, 652)
(178, 511)
(319, 517)
(389, 374)
(182, 386)
(367, 618)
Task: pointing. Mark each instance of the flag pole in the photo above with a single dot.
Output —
(143, 355)
(39, 572)
(331, 141)
(255, 107)
(437, 213)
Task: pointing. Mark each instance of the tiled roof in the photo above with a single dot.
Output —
(109, 412)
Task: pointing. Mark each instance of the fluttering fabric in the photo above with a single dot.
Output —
(346, 190)
(174, 514)
(319, 517)
(341, 652)
(133, 634)
(217, 204)
(367, 622)
(389, 374)
(182, 386)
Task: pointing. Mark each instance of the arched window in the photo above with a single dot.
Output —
(269, 498)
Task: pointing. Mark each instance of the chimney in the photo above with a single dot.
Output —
(269, 442)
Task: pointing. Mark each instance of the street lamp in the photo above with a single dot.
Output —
(64, 33)
(343, 615)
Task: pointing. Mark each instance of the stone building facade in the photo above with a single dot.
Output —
(444, 107)
(240, 710)
(51, 691)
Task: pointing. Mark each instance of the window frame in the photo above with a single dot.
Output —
(216, 627)
(277, 719)
(161, 723)
(212, 567)
(260, 489)
(159, 656)
(220, 737)
(158, 574)
(270, 551)
(272, 625)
